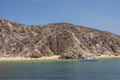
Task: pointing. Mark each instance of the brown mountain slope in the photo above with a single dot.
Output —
(67, 40)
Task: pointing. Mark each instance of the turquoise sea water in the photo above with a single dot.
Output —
(104, 69)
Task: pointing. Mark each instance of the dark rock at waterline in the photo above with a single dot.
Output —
(67, 40)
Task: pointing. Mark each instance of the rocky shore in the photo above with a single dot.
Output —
(63, 39)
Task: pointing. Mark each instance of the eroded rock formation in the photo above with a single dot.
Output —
(67, 40)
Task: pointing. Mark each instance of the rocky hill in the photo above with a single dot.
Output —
(66, 40)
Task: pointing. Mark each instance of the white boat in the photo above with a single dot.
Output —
(90, 59)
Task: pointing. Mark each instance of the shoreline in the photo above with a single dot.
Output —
(107, 56)
(55, 57)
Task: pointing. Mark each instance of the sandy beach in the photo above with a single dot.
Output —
(55, 57)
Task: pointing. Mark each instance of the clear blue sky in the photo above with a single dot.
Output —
(100, 14)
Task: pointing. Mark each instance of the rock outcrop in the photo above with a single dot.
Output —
(67, 40)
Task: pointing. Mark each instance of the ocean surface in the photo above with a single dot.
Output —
(104, 69)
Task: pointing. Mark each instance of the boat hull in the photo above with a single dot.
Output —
(89, 59)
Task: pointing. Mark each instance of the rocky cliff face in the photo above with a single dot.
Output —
(66, 40)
